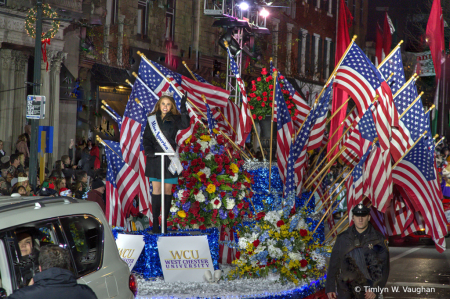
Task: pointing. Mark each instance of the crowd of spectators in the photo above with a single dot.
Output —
(77, 174)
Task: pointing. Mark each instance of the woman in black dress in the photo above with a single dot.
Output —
(169, 121)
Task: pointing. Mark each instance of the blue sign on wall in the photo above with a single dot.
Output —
(48, 139)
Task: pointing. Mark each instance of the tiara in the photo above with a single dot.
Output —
(167, 94)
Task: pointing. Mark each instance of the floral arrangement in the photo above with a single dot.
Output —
(212, 186)
(279, 242)
(261, 96)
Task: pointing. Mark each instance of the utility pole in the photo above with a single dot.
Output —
(36, 91)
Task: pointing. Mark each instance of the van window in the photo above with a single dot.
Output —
(23, 244)
(85, 237)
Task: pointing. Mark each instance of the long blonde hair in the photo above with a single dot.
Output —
(174, 109)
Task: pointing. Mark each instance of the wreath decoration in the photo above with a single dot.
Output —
(47, 12)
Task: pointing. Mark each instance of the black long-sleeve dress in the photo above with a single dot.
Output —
(169, 127)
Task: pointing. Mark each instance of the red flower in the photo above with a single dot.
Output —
(280, 223)
(258, 79)
(240, 205)
(256, 243)
(222, 194)
(203, 227)
(260, 215)
(220, 139)
(303, 263)
(303, 232)
(254, 88)
(253, 82)
(234, 193)
(193, 221)
(231, 215)
(216, 202)
(201, 219)
(267, 79)
(264, 71)
(281, 77)
(270, 104)
(194, 162)
(169, 223)
(265, 94)
(254, 115)
(202, 165)
(281, 85)
(270, 86)
(185, 174)
(260, 117)
(270, 77)
(238, 255)
(265, 99)
(196, 191)
(258, 99)
(251, 108)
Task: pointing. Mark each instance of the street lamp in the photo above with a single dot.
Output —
(264, 13)
(243, 6)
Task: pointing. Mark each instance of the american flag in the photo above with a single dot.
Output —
(393, 64)
(121, 185)
(200, 78)
(416, 173)
(284, 132)
(378, 221)
(245, 123)
(301, 105)
(354, 185)
(157, 82)
(319, 119)
(215, 96)
(297, 158)
(133, 126)
(231, 113)
(358, 77)
(118, 118)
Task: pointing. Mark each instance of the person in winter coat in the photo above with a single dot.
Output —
(359, 263)
(164, 123)
(55, 280)
(95, 152)
(96, 194)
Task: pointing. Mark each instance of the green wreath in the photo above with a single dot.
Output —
(47, 12)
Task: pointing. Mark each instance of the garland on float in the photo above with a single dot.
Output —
(47, 12)
(280, 242)
(212, 186)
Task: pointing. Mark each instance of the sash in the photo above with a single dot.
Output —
(175, 164)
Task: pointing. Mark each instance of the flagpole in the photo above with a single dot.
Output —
(251, 117)
(340, 175)
(271, 124)
(330, 163)
(331, 194)
(390, 54)
(410, 105)
(110, 114)
(339, 109)
(413, 77)
(326, 213)
(148, 88)
(440, 141)
(338, 203)
(399, 160)
(99, 139)
(329, 139)
(431, 108)
(337, 143)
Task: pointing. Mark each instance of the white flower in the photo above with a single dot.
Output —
(230, 203)
(243, 187)
(180, 194)
(203, 145)
(295, 256)
(241, 195)
(259, 249)
(243, 243)
(200, 197)
(272, 217)
(235, 177)
(301, 225)
(174, 209)
(274, 252)
(216, 203)
(209, 156)
(212, 142)
(206, 171)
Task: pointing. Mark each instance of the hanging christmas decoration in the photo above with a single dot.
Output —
(47, 12)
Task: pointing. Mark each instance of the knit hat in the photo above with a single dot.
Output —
(5, 159)
(97, 183)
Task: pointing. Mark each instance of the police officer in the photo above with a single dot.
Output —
(359, 264)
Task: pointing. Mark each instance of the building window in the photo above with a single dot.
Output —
(111, 12)
(170, 20)
(330, 7)
(142, 14)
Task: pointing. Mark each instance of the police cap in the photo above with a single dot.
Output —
(361, 210)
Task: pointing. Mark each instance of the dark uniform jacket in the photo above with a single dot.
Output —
(358, 260)
(55, 283)
(169, 127)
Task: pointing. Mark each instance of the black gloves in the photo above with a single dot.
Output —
(183, 108)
